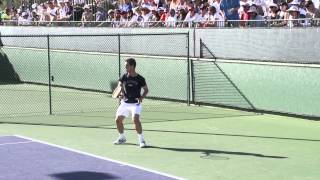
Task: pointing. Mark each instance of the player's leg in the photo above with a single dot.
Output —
(136, 111)
(122, 113)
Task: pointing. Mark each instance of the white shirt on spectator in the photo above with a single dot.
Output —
(218, 18)
(171, 21)
(79, 1)
(194, 18)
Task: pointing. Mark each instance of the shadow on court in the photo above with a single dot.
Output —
(208, 152)
(83, 175)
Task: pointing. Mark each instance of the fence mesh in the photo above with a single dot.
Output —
(84, 70)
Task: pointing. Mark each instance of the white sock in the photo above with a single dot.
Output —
(141, 138)
(121, 136)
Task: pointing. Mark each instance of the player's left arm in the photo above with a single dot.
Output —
(144, 94)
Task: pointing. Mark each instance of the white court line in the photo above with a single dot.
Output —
(100, 157)
(13, 143)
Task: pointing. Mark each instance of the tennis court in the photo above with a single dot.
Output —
(187, 137)
(191, 142)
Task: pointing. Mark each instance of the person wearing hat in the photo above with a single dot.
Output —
(256, 19)
(294, 15)
(273, 14)
(87, 15)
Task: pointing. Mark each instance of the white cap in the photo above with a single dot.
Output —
(293, 8)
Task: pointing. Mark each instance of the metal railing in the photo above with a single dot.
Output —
(269, 23)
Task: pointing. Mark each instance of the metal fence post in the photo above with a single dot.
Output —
(188, 71)
(119, 54)
(49, 75)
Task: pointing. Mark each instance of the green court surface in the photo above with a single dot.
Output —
(190, 142)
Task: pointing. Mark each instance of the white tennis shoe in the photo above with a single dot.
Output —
(120, 141)
(143, 144)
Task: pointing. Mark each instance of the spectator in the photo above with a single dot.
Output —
(294, 15)
(69, 10)
(203, 16)
(256, 20)
(132, 19)
(181, 17)
(24, 19)
(146, 15)
(87, 15)
(230, 11)
(174, 4)
(215, 19)
(101, 14)
(172, 19)
(273, 15)
(155, 17)
(125, 5)
(312, 12)
(192, 17)
(6, 15)
(244, 15)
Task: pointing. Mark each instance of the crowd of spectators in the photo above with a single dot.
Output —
(169, 13)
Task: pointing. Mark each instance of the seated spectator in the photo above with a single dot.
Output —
(215, 19)
(243, 12)
(62, 11)
(87, 15)
(146, 15)
(172, 19)
(273, 15)
(125, 5)
(155, 17)
(24, 19)
(132, 19)
(101, 15)
(6, 15)
(181, 17)
(69, 10)
(312, 12)
(294, 15)
(203, 16)
(256, 20)
(192, 18)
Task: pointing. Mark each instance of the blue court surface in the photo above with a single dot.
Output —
(22, 158)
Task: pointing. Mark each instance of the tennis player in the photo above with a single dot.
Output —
(131, 101)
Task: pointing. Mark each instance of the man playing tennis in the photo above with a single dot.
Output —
(131, 83)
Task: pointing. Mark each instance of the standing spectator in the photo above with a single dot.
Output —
(230, 11)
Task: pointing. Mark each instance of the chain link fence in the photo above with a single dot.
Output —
(67, 74)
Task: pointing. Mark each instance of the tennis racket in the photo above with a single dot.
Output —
(116, 93)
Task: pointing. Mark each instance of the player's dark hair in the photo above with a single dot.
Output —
(131, 62)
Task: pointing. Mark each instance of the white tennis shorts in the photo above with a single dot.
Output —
(125, 108)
